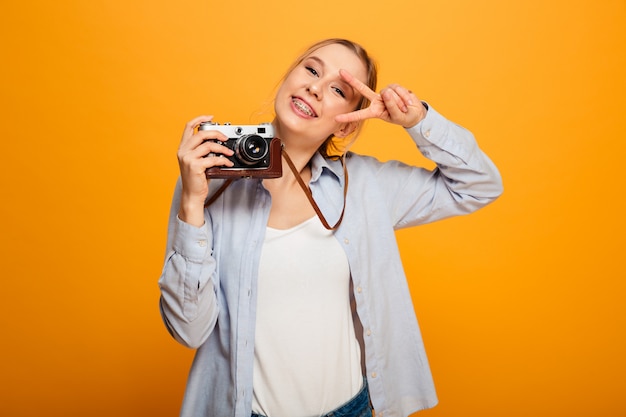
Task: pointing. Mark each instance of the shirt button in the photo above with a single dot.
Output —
(346, 241)
(202, 243)
(374, 375)
(427, 133)
(369, 332)
(359, 289)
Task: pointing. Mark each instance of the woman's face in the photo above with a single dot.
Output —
(314, 93)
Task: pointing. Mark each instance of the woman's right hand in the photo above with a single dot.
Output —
(194, 160)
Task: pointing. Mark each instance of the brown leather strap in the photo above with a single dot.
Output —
(307, 191)
(218, 192)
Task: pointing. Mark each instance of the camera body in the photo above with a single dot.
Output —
(257, 153)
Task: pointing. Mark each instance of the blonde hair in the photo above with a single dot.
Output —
(334, 147)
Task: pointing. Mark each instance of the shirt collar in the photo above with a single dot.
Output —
(325, 166)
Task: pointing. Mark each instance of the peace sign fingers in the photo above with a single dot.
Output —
(394, 104)
(359, 86)
(376, 108)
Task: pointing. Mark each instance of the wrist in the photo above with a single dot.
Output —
(191, 211)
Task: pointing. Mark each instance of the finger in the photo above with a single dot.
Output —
(193, 141)
(206, 155)
(407, 95)
(393, 98)
(361, 88)
(196, 168)
(217, 160)
(210, 147)
(355, 116)
(416, 110)
(396, 108)
(214, 135)
(194, 123)
(214, 154)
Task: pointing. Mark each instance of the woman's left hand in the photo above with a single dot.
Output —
(394, 104)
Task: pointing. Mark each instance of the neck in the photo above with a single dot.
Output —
(299, 147)
(297, 169)
(300, 159)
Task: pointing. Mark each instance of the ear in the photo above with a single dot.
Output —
(345, 129)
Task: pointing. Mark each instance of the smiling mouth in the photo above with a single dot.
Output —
(303, 107)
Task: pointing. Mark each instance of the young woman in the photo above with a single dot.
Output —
(296, 312)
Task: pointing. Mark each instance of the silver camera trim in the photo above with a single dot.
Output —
(238, 133)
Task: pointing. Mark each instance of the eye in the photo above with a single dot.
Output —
(312, 71)
(339, 91)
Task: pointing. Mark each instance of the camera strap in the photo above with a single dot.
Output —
(218, 192)
(309, 195)
(305, 188)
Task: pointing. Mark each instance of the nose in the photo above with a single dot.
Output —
(314, 89)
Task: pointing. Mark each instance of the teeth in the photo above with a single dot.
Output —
(303, 107)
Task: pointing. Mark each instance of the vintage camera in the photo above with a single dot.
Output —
(257, 151)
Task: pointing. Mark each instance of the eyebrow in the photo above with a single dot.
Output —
(318, 60)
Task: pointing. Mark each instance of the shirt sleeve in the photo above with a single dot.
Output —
(188, 301)
(464, 180)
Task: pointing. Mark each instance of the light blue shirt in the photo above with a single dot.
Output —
(209, 280)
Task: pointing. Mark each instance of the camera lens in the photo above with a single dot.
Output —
(251, 149)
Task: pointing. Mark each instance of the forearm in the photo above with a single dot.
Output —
(463, 181)
(191, 211)
(188, 300)
(466, 171)
(188, 308)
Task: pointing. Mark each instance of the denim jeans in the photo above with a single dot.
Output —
(358, 406)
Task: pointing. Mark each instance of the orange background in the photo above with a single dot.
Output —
(522, 304)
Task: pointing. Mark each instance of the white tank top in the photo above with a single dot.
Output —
(307, 358)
